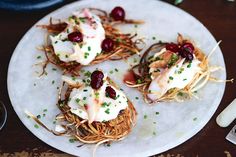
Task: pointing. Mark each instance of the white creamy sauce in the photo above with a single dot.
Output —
(178, 76)
(94, 105)
(59, 129)
(93, 35)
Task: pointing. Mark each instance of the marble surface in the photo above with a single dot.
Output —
(175, 123)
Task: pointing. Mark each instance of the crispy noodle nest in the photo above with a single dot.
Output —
(141, 71)
(96, 132)
(124, 44)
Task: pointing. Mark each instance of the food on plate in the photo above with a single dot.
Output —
(94, 112)
(88, 37)
(171, 71)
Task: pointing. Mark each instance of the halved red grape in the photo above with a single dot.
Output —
(187, 47)
(96, 79)
(110, 92)
(172, 47)
(187, 55)
(107, 45)
(118, 13)
(75, 37)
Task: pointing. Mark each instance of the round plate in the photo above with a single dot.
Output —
(160, 127)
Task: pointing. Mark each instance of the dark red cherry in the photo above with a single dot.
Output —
(118, 14)
(172, 47)
(110, 92)
(96, 79)
(107, 45)
(75, 37)
(187, 55)
(187, 47)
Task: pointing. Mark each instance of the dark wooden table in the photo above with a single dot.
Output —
(219, 16)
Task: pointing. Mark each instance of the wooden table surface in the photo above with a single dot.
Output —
(219, 16)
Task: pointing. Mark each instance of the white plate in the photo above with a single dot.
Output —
(176, 123)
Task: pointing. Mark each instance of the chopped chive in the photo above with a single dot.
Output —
(181, 70)
(39, 57)
(153, 38)
(136, 26)
(107, 111)
(189, 65)
(116, 70)
(85, 90)
(104, 104)
(139, 81)
(157, 113)
(87, 74)
(54, 122)
(136, 98)
(45, 110)
(96, 95)
(53, 81)
(84, 98)
(71, 140)
(36, 126)
(154, 133)
(180, 94)
(145, 116)
(111, 72)
(89, 48)
(118, 40)
(82, 19)
(194, 119)
(77, 100)
(86, 54)
(171, 78)
(38, 116)
(54, 69)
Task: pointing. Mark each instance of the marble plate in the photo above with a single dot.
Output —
(165, 126)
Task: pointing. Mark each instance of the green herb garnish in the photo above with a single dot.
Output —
(107, 111)
(171, 78)
(89, 48)
(173, 59)
(145, 116)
